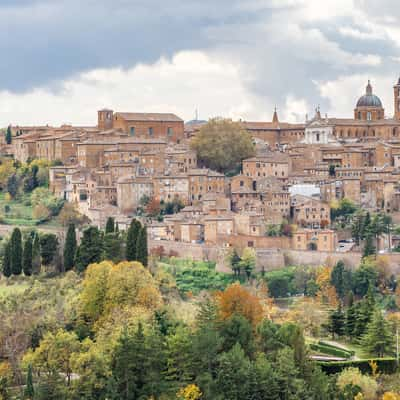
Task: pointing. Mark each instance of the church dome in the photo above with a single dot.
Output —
(369, 99)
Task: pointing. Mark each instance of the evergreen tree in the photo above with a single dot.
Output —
(350, 317)
(12, 185)
(29, 390)
(290, 386)
(112, 247)
(8, 135)
(116, 227)
(48, 248)
(141, 247)
(369, 248)
(233, 374)
(131, 239)
(70, 248)
(378, 339)
(336, 325)
(110, 225)
(16, 252)
(7, 272)
(27, 257)
(36, 260)
(364, 311)
(366, 226)
(235, 262)
(337, 278)
(90, 249)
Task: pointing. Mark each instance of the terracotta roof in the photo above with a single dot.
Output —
(158, 117)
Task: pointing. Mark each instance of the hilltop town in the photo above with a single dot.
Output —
(132, 164)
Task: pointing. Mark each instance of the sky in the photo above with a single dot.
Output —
(62, 60)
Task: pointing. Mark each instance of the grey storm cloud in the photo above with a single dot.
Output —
(278, 49)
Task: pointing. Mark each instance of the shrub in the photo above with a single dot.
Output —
(385, 365)
(353, 376)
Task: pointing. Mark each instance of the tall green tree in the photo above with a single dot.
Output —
(131, 239)
(70, 248)
(369, 248)
(378, 340)
(350, 322)
(27, 257)
(12, 185)
(233, 374)
(338, 278)
(7, 272)
(141, 247)
(48, 248)
(337, 322)
(16, 252)
(91, 248)
(8, 135)
(112, 247)
(36, 260)
(110, 225)
(29, 390)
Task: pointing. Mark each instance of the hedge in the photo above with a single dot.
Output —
(326, 344)
(332, 351)
(385, 365)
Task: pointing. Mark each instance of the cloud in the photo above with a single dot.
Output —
(191, 80)
(272, 52)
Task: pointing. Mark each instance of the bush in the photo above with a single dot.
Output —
(385, 365)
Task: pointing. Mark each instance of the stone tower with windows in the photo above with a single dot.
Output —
(396, 97)
(105, 119)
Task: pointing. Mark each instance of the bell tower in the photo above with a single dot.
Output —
(396, 97)
(105, 119)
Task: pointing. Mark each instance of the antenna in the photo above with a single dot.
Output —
(196, 114)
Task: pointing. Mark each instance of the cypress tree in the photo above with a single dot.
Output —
(70, 248)
(141, 247)
(8, 135)
(29, 390)
(16, 252)
(131, 239)
(90, 249)
(112, 247)
(36, 260)
(27, 257)
(110, 225)
(7, 260)
(337, 278)
(350, 317)
(369, 248)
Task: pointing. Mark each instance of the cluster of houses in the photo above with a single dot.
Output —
(299, 169)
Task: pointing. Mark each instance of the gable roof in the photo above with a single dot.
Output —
(157, 117)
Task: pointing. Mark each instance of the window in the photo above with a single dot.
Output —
(170, 131)
(317, 137)
(132, 131)
(150, 131)
(359, 115)
(369, 116)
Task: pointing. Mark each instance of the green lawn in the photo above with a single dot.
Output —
(16, 211)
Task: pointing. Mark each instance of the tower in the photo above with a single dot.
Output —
(396, 97)
(105, 119)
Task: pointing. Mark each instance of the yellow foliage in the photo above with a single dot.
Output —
(190, 392)
(359, 396)
(115, 292)
(5, 371)
(6, 170)
(327, 293)
(374, 368)
(390, 396)
(353, 376)
(308, 314)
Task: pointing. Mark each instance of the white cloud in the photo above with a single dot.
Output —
(188, 81)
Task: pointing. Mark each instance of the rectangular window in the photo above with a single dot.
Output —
(170, 131)
(132, 131)
(150, 131)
